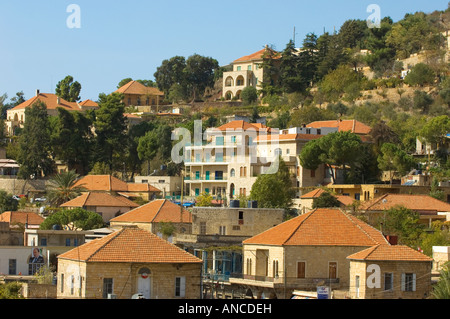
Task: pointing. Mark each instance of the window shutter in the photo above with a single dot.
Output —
(403, 282)
(183, 287)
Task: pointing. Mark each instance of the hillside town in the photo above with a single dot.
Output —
(269, 180)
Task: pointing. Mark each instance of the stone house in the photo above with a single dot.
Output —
(137, 94)
(305, 252)
(113, 185)
(153, 215)
(218, 233)
(390, 272)
(15, 117)
(247, 72)
(104, 204)
(18, 222)
(127, 262)
(429, 208)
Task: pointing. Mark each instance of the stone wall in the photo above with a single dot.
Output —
(20, 186)
(125, 279)
(422, 271)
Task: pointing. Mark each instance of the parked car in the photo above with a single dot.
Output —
(40, 199)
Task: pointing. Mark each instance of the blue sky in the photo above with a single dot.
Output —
(131, 38)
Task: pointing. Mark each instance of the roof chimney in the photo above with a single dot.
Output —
(37, 92)
(58, 100)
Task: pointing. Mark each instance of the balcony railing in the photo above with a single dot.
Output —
(289, 281)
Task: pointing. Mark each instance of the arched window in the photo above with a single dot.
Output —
(232, 172)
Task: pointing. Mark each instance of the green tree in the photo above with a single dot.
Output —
(148, 148)
(61, 188)
(73, 219)
(290, 71)
(10, 290)
(170, 72)
(7, 203)
(404, 223)
(204, 200)
(421, 74)
(68, 90)
(442, 289)
(124, 82)
(341, 149)
(200, 73)
(249, 95)
(436, 130)
(34, 148)
(341, 83)
(110, 129)
(326, 200)
(274, 190)
(269, 83)
(352, 33)
(392, 158)
(71, 140)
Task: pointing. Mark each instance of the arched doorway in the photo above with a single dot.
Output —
(232, 191)
(144, 282)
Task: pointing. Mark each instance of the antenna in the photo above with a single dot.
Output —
(293, 39)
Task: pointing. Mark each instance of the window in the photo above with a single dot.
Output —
(249, 266)
(220, 141)
(241, 215)
(107, 287)
(357, 285)
(249, 68)
(219, 175)
(301, 269)
(43, 241)
(67, 242)
(233, 172)
(197, 175)
(75, 242)
(408, 282)
(332, 270)
(202, 228)
(180, 287)
(12, 268)
(72, 284)
(239, 68)
(313, 173)
(275, 269)
(222, 230)
(388, 281)
(233, 139)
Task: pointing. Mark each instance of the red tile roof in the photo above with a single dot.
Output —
(243, 125)
(344, 126)
(321, 227)
(345, 200)
(130, 245)
(420, 203)
(159, 210)
(256, 56)
(108, 183)
(389, 253)
(51, 101)
(134, 87)
(288, 137)
(89, 103)
(21, 217)
(97, 199)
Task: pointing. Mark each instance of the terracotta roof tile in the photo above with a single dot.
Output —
(21, 217)
(142, 187)
(106, 183)
(100, 199)
(422, 203)
(255, 56)
(130, 244)
(389, 253)
(321, 227)
(343, 126)
(134, 87)
(51, 101)
(159, 210)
